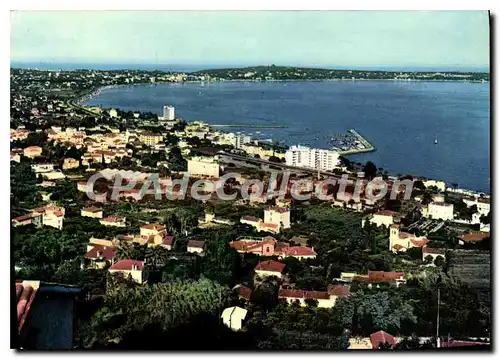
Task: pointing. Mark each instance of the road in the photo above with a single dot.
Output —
(279, 165)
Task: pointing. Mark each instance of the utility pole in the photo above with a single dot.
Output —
(437, 324)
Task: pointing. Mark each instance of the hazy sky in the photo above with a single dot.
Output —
(366, 38)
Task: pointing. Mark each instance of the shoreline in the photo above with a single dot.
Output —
(96, 91)
(79, 99)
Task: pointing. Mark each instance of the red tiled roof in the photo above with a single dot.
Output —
(381, 337)
(387, 213)
(22, 218)
(106, 253)
(433, 251)
(339, 290)
(243, 291)
(404, 235)
(474, 237)
(298, 251)
(59, 213)
(294, 293)
(168, 240)
(91, 209)
(398, 247)
(270, 266)
(269, 225)
(280, 246)
(157, 227)
(419, 242)
(251, 219)
(126, 264)
(380, 276)
(195, 244)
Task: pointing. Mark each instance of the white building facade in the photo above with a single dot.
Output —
(440, 210)
(199, 166)
(302, 156)
(168, 113)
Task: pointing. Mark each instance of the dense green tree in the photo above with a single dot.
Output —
(220, 261)
(370, 170)
(176, 161)
(164, 305)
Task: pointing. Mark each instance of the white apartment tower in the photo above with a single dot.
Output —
(320, 159)
(168, 113)
(277, 215)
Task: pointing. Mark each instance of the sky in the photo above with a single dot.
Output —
(305, 38)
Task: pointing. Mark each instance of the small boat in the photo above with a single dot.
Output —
(436, 141)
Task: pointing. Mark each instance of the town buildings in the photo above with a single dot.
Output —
(278, 215)
(320, 159)
(49, 215)
(92, 212)
(150, 138)
(275, 219)
(195, 246)
(70, 163)
(32, 151)
(402, 241)
(233, 317)
(113, 221)
(168, 113)
(433, 252)
(203, 166)
(482, 204)
(324, 299)
(439, 210)
(129, 268)
(268, 246)
(381, 218)
(270, 269)
(440, 185)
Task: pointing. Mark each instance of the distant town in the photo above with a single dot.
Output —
(259, 273)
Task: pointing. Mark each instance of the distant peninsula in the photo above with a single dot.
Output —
(270, 73)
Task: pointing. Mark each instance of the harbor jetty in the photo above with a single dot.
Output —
(353, 143)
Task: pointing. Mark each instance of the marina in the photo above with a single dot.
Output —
(351, 143)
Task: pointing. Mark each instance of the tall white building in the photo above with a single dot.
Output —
(239, 140)
(440, 210)
(301, 156)
(168, 113)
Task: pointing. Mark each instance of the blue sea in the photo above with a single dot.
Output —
(401, 119)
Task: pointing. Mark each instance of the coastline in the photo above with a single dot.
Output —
(95, 91)
(91, 93)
